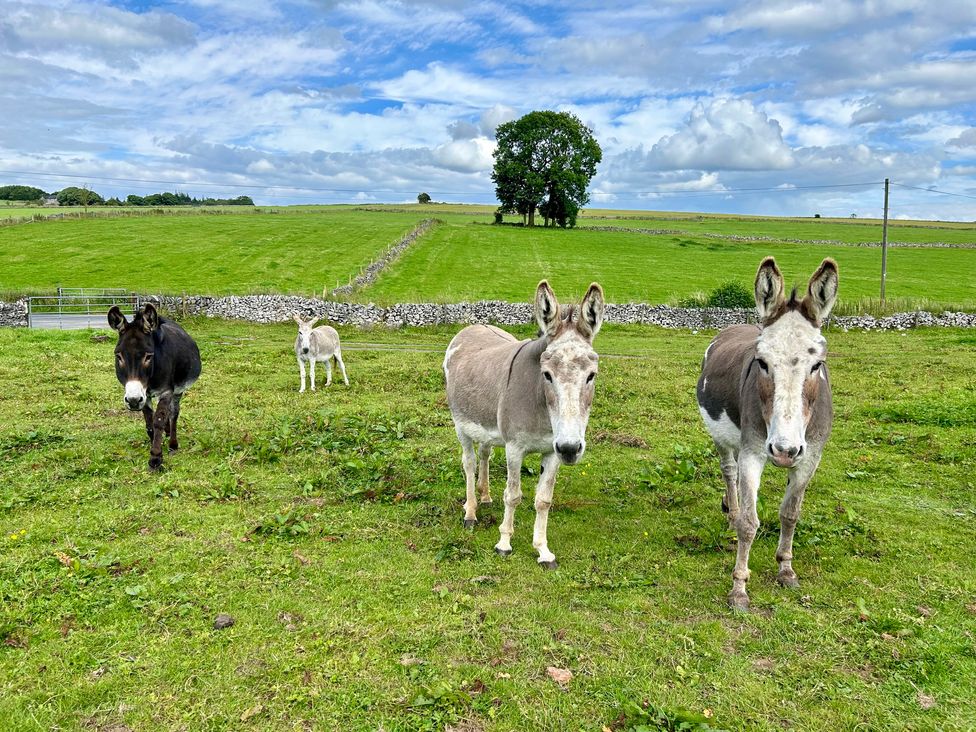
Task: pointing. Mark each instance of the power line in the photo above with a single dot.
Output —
(934, 190)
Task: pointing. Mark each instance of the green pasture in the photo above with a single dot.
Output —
(463, 262)
(309, 250)
(328, 525)
(221, 253)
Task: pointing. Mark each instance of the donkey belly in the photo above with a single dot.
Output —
(482, 434)
(722, 429)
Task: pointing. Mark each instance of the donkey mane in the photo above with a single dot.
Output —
(567, 314)
(791, 305)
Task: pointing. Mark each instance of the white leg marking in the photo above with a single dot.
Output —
(311, 366)
(512, 498)
(342, 367)
(301, 369)
(543, 500)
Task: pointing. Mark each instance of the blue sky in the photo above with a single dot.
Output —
(765, 107)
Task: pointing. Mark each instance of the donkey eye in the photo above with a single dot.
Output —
(591, 377)
(763, 365)
(548, 376)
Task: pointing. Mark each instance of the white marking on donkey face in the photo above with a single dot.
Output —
(569, 367)
(788, 352)
(135, 395)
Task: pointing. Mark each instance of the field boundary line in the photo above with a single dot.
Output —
(369, 274)
(783, 239)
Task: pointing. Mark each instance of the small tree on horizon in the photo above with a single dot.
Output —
(423, 198)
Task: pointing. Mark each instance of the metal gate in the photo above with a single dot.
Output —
(75, 308)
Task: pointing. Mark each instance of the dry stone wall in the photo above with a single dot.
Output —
(280, 308)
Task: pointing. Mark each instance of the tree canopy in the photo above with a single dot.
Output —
(73, 196)
(545, 160)
(21, 193)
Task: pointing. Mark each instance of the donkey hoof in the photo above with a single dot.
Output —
(155, 464)
(470, 523)
(739, 601)
(485, 501)
(503, 552)
(553, 564)
(788, 579)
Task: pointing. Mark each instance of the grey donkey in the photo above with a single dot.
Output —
(530, 396)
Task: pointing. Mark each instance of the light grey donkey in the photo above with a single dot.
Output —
(319, 344)
(764, 395)
(530, 396)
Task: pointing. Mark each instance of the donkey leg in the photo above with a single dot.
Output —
(147, 413)
(301, 370)
(468, 462)
(543, 500)
(746, 526)
(730, 473)
(512, 498)
(328, 372)
(342, 366)
(174, 415)
(160, 420)
(484, 455)
(311, 368)
(789, 514)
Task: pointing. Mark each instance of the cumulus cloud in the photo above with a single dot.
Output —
(967, 138)
(327, 97)
(728, 134)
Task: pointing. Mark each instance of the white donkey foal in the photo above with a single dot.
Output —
(320, 344)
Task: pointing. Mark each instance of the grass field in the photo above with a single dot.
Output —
(206, 254)
(328, 526)
(460, 261)
(306, 250)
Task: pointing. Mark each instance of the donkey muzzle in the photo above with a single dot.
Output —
(569, 452)
(784, 456)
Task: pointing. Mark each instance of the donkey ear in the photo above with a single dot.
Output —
(769, 288)
(591, 312)
(150, 318)
(116, 319)
(546, 308)
(294, 316)
(822, 290)
(313, 321)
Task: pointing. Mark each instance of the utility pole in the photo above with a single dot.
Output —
(884, 244)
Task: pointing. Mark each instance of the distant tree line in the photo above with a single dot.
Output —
(74, 196)
(182, 199)
(21, 193)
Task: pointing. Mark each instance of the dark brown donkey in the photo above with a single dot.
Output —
(154, 359)
(764, 394)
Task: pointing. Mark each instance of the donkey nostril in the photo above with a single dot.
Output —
(304, 350)
(799, 451)
(568, 448)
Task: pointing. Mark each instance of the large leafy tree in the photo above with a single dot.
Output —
(545, 160)
(73, 196)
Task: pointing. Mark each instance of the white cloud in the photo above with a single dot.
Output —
(728, 134)
(966, 138)
(466, 156)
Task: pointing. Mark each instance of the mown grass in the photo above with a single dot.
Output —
(460, 261)
(198, 254)
(328, 526)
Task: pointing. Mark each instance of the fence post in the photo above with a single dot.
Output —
(884, 244)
